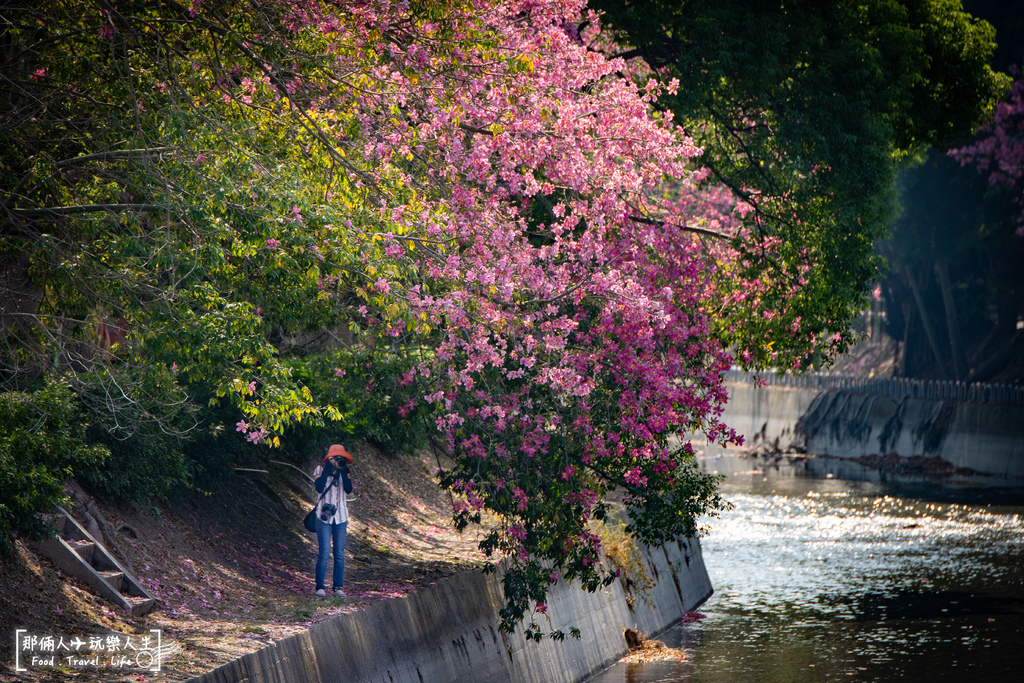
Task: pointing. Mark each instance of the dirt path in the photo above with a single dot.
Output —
(234, 569)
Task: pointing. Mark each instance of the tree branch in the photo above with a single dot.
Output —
(113, 155)
(687, 228)
(86, 208)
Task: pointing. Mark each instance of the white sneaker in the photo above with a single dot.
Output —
(340, 592)
(322, 593)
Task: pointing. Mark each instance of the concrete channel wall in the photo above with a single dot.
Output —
(448, 632)
(985, 437)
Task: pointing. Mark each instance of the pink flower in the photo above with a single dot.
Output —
(633, 476)
(241, 426)
(272, 244)
(38, 75)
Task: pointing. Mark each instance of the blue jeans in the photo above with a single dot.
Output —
(324, 534)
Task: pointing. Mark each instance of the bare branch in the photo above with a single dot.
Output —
(87, 208)
(686, 228)
(115, 155)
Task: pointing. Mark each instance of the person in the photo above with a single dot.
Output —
(332, 476)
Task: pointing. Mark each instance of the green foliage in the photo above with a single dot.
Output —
(42, 445)
(141, 468)
(144, 431)
(804, 108)
(365, 386)
(167, 220)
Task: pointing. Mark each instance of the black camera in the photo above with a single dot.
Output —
(327, 511)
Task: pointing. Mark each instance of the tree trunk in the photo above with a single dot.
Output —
(901, 362)
(952, 322)
(929, 330)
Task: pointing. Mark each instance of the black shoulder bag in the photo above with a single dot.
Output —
(310, 521)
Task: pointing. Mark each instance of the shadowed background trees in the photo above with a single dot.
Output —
(954, 290)
(808, 109)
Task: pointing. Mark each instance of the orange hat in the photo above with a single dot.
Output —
(337, 450)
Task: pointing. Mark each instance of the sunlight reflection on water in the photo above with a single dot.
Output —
(826, 579)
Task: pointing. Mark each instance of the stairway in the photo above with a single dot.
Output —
(77, 553)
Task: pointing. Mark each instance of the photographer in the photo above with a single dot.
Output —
(333, 482)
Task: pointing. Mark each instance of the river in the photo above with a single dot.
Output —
(824, 579)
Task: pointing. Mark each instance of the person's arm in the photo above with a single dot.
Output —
(321, 481)
(346, 483)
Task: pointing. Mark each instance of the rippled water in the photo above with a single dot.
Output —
(831, 580)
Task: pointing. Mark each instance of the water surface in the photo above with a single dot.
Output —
(836, 580)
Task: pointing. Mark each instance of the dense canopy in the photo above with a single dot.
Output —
(472, 214)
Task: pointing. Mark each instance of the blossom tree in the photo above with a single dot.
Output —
(563, 294)
(999, 150)
(468, 186)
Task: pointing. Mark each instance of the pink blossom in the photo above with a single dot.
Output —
(1000, 152)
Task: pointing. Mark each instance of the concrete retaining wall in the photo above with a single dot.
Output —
(985, 437)
(448, 632)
